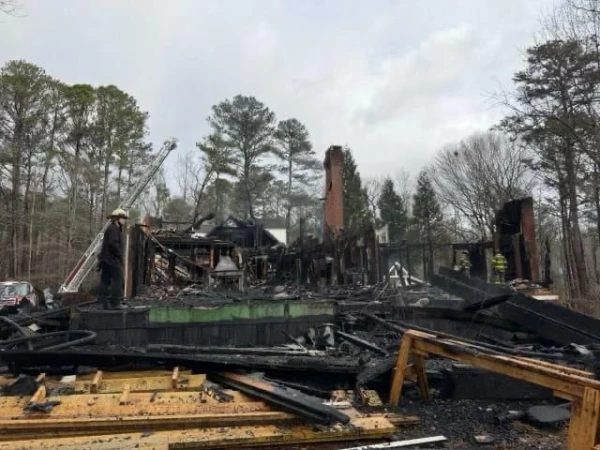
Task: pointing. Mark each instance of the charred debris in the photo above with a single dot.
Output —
(310, 329)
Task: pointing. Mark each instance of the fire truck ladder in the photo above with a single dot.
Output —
(89, 258)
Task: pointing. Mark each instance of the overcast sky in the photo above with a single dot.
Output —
(393, 79)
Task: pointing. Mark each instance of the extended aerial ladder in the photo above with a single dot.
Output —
(89, 258)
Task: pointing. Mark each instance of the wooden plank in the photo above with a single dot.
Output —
(508, 366)
(141, 399)
(41, 378)
(400, 420)
(566, 396)
(554, 371)
(421, 376)
(36, 429)
(399, 373)
(124, 400)
(106, 375)
(175, 378)
(564, 369)
(130, 409)
(96, 382)
(217, 438)
(39, 396)
(151, 384)
(583, 426)
(369, 397)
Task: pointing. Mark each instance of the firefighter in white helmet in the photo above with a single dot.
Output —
(464, 263)
(110, 290)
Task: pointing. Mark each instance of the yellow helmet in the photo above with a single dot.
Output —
(118, 213)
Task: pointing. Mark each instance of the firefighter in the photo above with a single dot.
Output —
(499, 265)
(464, 263)
(110, 290)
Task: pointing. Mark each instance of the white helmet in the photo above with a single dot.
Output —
(118, 213)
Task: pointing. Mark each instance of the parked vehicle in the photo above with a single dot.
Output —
(20, 296)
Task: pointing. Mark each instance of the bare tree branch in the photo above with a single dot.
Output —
(10, 7)
(479, 174)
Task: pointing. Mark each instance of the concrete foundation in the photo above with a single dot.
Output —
(240, 324)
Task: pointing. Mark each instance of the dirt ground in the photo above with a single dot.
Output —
(460, 421)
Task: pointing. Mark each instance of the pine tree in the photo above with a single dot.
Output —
(427, 213)
(247, 126)
(300, 165)
(218, 159)
(393, 211)
(356, 210)
(553, 117)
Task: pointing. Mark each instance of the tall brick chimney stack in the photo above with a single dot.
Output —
(333, 209)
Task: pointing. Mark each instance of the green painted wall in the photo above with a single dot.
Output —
(286, 310)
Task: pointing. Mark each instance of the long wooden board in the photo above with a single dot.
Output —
(215, 438)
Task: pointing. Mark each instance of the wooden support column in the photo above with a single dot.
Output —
(421, 376)
(96, 382)
(175, 377)
(400, 371)
(583, 426)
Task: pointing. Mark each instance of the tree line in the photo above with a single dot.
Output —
(547, 146)
(68, 154)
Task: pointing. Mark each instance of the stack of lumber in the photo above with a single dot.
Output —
(159, 410)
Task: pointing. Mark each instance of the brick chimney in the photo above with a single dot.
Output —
(333, 209)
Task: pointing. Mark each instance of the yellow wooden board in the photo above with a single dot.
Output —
(116, 381)
(133, 374)
(138, 384)
(215, 438)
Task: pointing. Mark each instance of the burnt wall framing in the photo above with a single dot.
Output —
(199, 255)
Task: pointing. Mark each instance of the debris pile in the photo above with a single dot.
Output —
(163, 409)
(301, 345)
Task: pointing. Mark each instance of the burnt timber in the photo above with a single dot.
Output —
(553, 322)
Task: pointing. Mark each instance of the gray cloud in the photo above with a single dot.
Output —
(395, 80)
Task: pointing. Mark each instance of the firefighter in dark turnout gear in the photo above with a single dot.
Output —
(110, 290)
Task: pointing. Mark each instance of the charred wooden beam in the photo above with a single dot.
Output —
(554, 323)
(361, 343)
(32, 362)
(189, 349)
(402, 327)
(487, 303)
(301, 387)
(288, 399)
